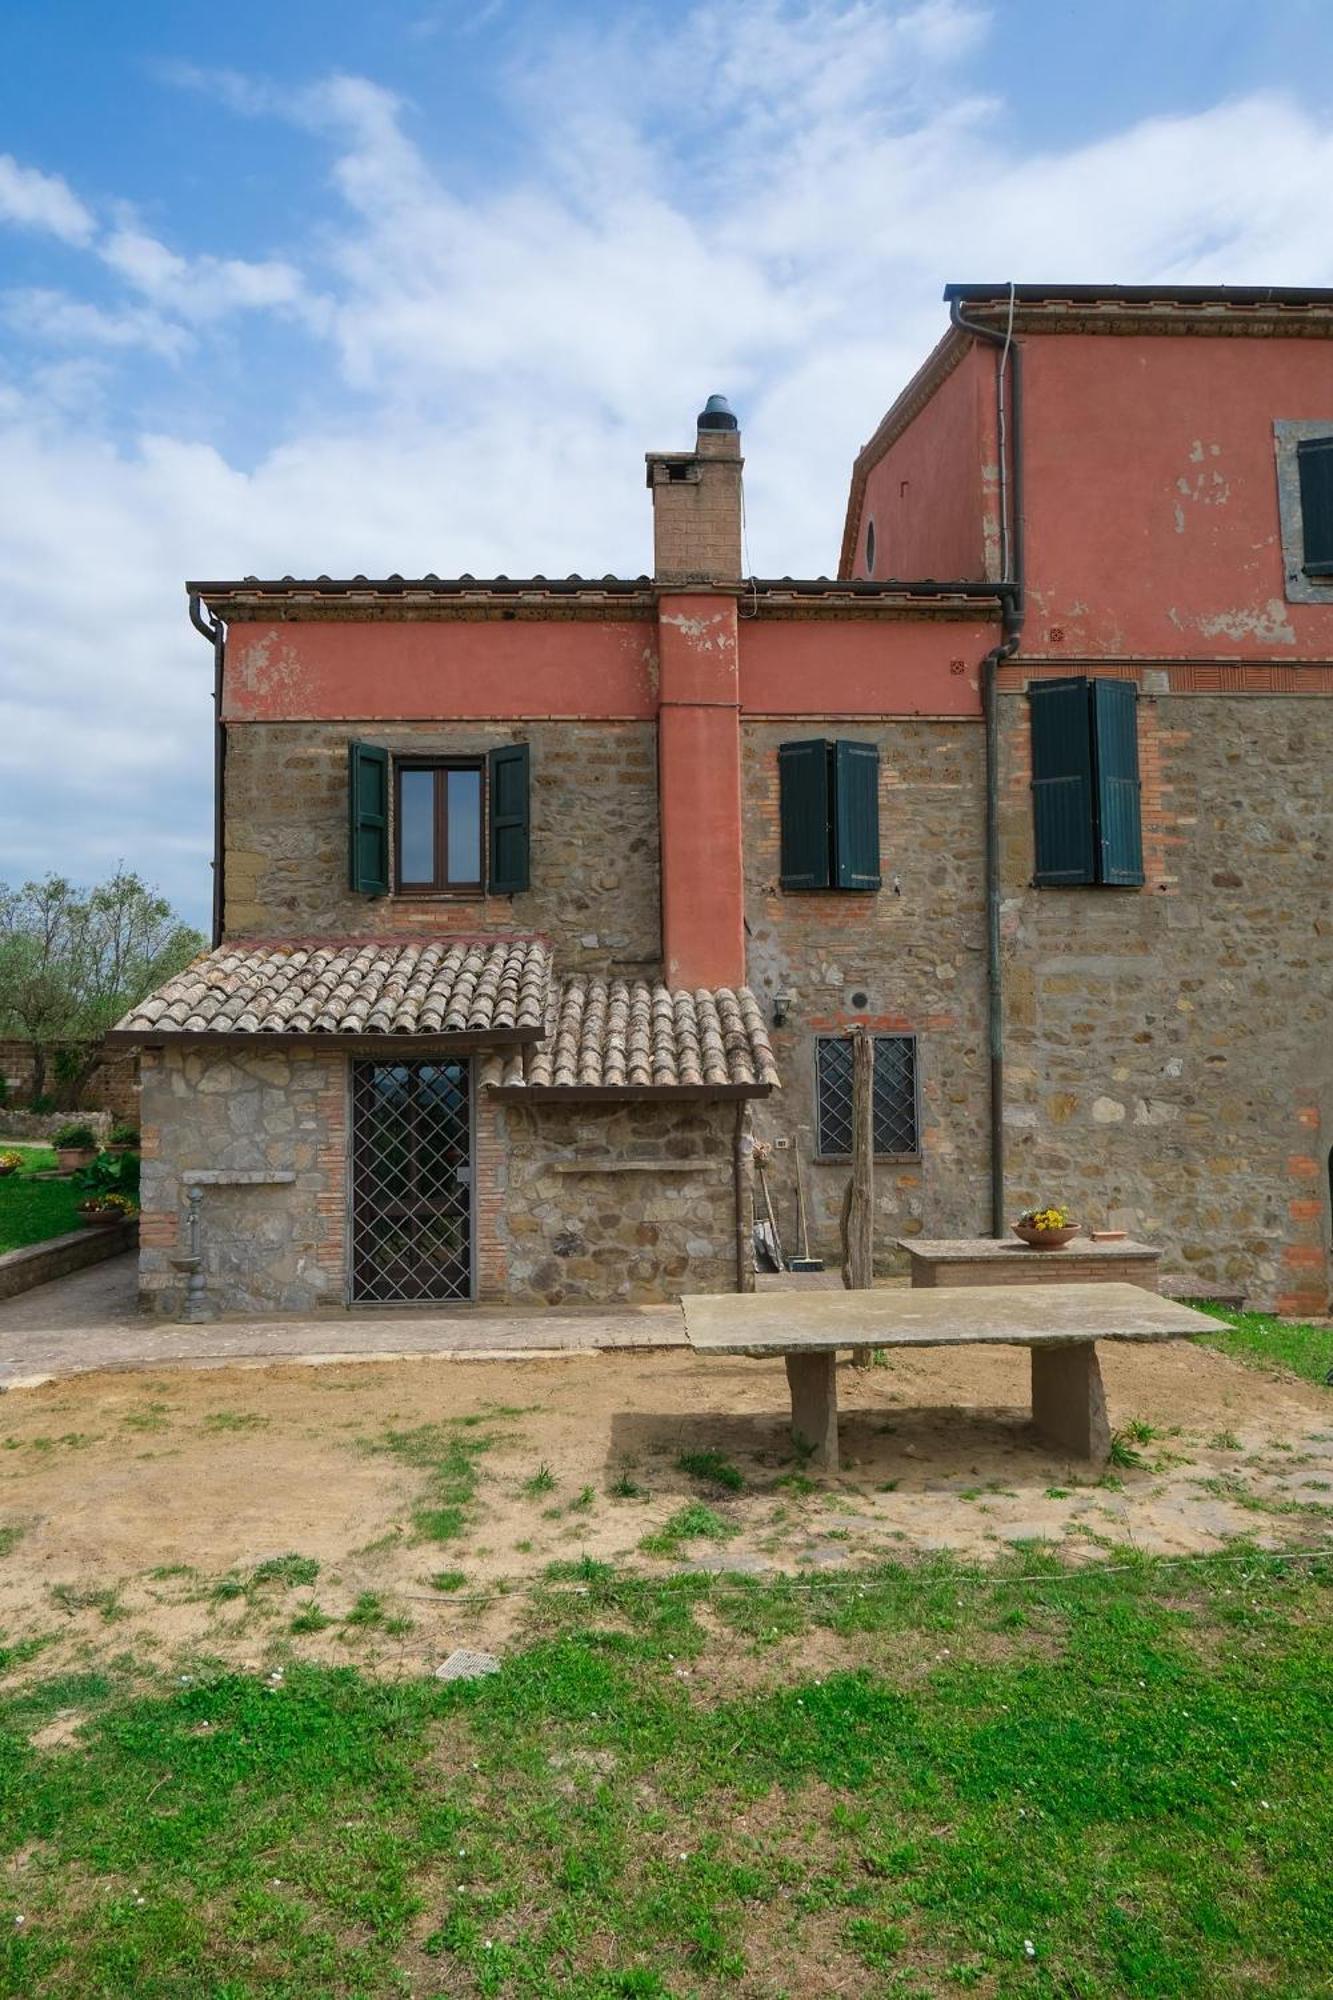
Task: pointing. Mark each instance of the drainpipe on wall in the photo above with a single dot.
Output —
(742, 1156)
(215, 632)
(1009, 436)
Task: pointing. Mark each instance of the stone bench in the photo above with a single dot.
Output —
(982, 1260)
(1060, 1324)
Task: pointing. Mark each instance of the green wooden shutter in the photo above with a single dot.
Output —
(803, 809)
(1116, 758)
(368, 819)
(1062, 781)
(510, 818)
(856, 814)
(1314, 461)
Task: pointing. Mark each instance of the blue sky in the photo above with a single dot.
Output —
(412, 284)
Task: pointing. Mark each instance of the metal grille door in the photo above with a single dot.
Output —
(411, 1183)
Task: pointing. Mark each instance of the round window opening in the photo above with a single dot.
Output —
(870, 548)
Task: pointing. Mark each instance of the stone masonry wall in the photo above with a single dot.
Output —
(573, 1219)
(266, 1248)
(1170, 1048)
(594, 838)
(915, 950)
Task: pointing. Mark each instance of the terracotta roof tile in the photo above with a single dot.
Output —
(437, 988)
(616, 1034)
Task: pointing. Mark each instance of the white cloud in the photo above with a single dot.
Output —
(52, 316)
(200, 288)
(760, 197)
(31, 199)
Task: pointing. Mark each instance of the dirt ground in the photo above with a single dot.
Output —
(136, 1508)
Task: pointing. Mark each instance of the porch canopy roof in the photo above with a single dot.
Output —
(450, 993)
(617, 1039)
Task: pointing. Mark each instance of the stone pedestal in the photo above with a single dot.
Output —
(1068, 1402)
(814, 1405)
(985, 1260)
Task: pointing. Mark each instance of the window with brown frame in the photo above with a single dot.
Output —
(440, 824)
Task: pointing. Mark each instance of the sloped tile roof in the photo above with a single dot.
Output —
(616, 1034)
(438, 988)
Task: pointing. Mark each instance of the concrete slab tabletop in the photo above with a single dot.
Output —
(993, 1315)
(968, 1249)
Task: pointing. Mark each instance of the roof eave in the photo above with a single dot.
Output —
(1315, 297)
(458, 1041)
(626, 1093)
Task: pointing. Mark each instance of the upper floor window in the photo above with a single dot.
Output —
(1085, 782)
(1304, 450)
(828, 806)
(439, 820)
(1314, 465)
(452, 826)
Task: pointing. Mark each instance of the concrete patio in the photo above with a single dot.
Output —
(91, 1321)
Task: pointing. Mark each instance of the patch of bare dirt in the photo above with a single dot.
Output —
(143, 1504)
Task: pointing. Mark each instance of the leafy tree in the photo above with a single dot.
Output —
(72, 961)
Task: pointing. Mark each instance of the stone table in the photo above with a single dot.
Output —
(984, 1260)
(1060, 1324)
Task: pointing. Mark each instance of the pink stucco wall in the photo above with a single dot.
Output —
(1152, 505)
(930, 493)
(912, 666)
(408, 670)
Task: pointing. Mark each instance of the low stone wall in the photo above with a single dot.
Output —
(113, 1085)
(607, 1203)
(45, 1124)
(38, 1263)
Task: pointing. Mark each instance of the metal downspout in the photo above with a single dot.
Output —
(215, 632)
(742, 1164)
(1012, 591)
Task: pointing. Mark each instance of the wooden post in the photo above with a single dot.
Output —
(858, 1209)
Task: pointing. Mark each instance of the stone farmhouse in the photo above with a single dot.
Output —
(538, 901)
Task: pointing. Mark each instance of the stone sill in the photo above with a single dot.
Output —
(637, 1166)
(225, 1177)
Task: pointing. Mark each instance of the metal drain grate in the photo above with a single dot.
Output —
(895, 1095)
(411, 1183)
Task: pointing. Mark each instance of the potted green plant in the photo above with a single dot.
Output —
(1049, 1227)
(123, 1138)
(100, 1210)
(76, 1146)
(10, 1163)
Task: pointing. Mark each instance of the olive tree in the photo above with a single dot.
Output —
(73, 960)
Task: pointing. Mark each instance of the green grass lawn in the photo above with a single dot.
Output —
(31, 1210)
(913, 1781)
(1264, 1341)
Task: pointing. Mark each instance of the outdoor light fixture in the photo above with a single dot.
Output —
(781, 1008)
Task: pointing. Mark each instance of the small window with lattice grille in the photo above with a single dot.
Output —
(896, 1122)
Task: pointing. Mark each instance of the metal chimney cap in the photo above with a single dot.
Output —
(717, 415)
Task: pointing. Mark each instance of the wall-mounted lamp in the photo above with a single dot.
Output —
(781, 1008)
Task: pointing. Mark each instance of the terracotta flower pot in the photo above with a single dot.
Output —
(1046, 1239)
(7, 1167)
(70, 1158)
(100, 1218)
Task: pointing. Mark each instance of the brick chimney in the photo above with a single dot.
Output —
(697, 560)
(697, 503)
